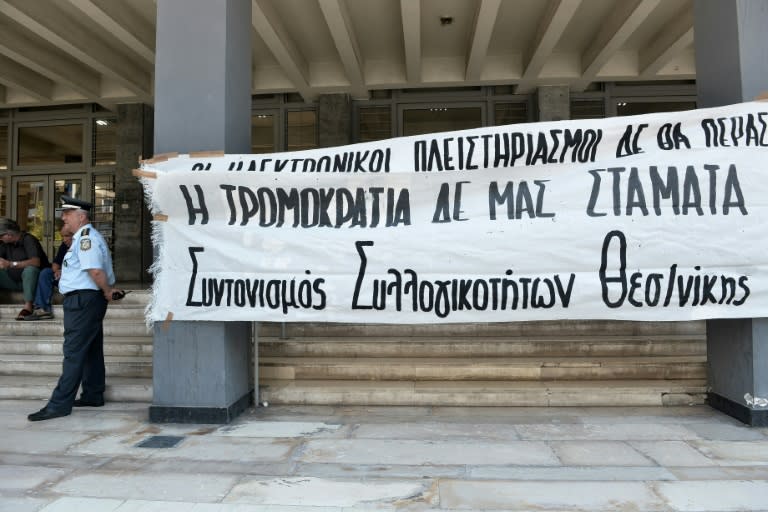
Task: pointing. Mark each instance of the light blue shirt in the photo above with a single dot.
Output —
(88, 251)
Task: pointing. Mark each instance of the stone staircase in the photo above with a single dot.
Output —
(559, 363)
(31, 352)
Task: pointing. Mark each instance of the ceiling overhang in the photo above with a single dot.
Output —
(58, 52)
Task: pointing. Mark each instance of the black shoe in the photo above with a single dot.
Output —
(45, 414)
(39, 314)
(88, 403)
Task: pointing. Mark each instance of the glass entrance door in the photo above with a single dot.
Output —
(37, 205)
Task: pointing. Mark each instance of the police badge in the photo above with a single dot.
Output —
(85, 244)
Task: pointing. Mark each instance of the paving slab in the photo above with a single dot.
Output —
(157, 506)
(170, 506)
(441, 452)
(721, 473)
(206, 488)
(175, 429)
(714, 496)
(53, 460)
(282, 429)
(83, 504)
(20, 478)
(72, 423)
(417, 459)
(587, 496)
(312, 492)
(672, 453)
(111, 445)
(620, 431)
(726, 432)
(436, 430)
(598, 453)
(677, 415)
(107, 505)
(24, 504)
(566, 473)
(227, 449)
(218, 467)
(369, 471)
(735, 453)
(39, 441)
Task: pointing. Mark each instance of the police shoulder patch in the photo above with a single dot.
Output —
(85, 244)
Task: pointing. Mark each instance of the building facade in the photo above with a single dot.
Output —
(87, 150)
(89, 88)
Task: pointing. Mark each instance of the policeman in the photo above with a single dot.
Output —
(86, 281)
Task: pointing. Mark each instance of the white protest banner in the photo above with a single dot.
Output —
(654, 217)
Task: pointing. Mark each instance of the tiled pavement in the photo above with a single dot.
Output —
(385, 458)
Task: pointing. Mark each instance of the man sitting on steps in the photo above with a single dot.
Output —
(21, 259)
(49, 277)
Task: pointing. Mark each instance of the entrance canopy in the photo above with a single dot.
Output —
(55, 52)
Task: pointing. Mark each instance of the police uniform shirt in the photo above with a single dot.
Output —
(88, 251)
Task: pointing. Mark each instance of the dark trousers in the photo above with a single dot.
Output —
(83, 350)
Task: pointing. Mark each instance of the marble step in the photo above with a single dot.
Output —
(463, 347)
(506, 330)
(134, 297)
(55, 327)
(50, 365)
(507, 394)
(8, 313)
(451, 369)
(118, 389)
(52, 345)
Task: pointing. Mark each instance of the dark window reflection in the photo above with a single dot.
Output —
(441, 119)
(375, 123)
(302, 130)
(40, 145)
(263, 133)
(627, 108)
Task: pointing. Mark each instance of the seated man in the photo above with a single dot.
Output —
(49, 277)
(21, 258)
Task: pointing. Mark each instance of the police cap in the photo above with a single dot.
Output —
(70, 203)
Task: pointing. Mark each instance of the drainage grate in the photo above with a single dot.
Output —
(160, 442)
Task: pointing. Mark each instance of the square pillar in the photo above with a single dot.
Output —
(205, 371)
(334, 117)
(732, 67)
(202, 103)
(554, 102)
(737, 360)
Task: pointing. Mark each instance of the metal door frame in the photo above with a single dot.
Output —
(49, 239)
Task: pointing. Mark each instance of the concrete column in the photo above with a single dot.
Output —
(731, 67)
(554, 102)
(334, 116)
(202, 102)
(134, 140)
